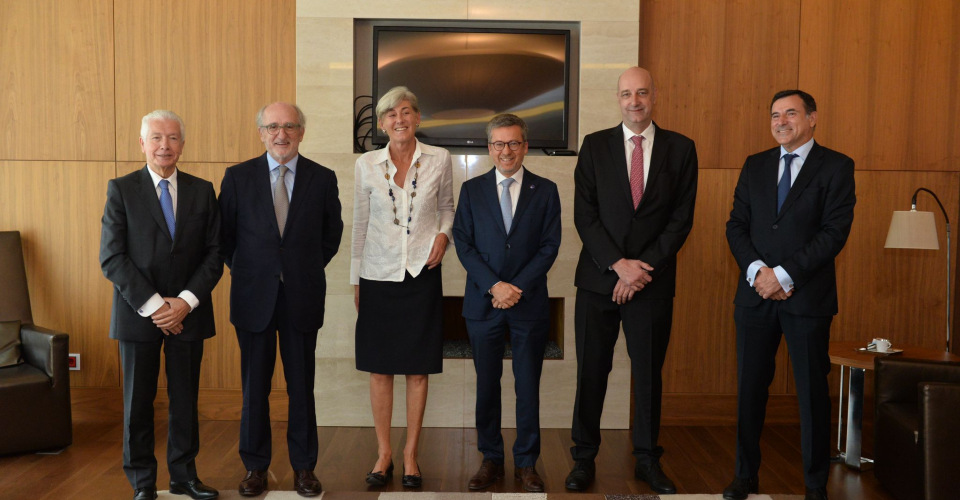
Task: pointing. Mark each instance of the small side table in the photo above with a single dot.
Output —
(847, 355)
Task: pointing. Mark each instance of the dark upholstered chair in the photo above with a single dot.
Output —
(917, 441)
(34, 395)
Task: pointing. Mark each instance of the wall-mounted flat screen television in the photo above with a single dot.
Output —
(463, 76)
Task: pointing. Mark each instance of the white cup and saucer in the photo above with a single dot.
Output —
(880, 345)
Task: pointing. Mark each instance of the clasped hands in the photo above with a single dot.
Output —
(634, 275)
(169, 318)
(505, 295)
(768, 286)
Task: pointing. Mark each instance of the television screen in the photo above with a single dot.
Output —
(462, 77)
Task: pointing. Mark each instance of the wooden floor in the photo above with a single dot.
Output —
(698, 459)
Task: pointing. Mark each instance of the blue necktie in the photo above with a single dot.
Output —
(783, 188)
(166, 204)
(506, 203)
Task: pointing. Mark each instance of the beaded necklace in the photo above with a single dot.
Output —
(413, 194)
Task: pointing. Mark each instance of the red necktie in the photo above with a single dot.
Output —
(636, 170)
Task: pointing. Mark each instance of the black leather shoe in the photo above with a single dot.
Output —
(816, 494)
(145, 494)
(581, 476)
(740, 488)
(653, 475)
(306, 483)
(412, 480)
(379, 478)
(253, 484)
(195, 489)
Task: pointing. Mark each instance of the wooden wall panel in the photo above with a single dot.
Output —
(716, 65)
(897, 294)
(702, 357)
(56, 82)
(57, 207)
(703, 332)
(214, 62)
(885, 75)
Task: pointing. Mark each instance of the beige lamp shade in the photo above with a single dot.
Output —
(912, 229)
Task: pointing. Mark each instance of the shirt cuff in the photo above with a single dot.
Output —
(354, 271)
(784, 278)
(752, 270)
(151, 306)
(190, 298)
(490, 290)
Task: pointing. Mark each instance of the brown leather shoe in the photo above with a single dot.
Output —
(530, 479)
(488, 474)
(306, 483)
(254, 483)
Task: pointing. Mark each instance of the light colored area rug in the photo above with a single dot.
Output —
(427, 495)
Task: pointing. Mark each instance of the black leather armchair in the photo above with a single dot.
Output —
(35, 395)
(917, 441)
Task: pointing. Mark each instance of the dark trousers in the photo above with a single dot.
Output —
(646, 327)
(528, 340)
(258, 354)
(808, 342)
(141, 369)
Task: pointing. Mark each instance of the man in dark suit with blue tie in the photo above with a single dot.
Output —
(507, 235)
(159, 246)
(281, 227)
(636, 185)
(792, 212)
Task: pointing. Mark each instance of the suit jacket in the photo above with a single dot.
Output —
(521, 257)
(139, 257)
(609, 226)
(257, 254)
(804, 237)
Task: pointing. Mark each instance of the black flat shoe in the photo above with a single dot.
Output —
(412, 480)
(380, 478)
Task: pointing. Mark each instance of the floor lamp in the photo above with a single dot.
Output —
(918, 230)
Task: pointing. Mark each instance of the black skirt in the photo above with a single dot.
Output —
(400, 325)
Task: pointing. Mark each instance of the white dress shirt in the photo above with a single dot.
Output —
(782, 275)
(156, 302)
(382, 250)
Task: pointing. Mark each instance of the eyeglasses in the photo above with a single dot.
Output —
(514, 145)
(274, 128)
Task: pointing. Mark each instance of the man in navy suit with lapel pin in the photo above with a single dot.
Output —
(159, 246)
(281, 227)
(507, 235)
(636, 185)
(792, 212)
